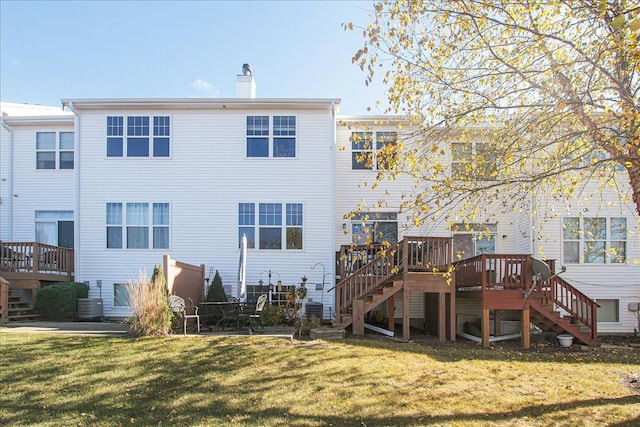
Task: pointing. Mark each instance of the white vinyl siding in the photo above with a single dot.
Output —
(208, 176)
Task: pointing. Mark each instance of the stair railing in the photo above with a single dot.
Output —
(377, 263)
(368, 277)
(574, 302)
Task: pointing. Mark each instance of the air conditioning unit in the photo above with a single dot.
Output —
(89, 308)
(313, 309)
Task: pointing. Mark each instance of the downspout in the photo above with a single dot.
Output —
(76, 183)
(9, 179)
(534, 248)
(333, 204)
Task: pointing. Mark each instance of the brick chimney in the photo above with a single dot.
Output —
(246, 87)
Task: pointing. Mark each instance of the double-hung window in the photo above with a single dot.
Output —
(284, 136)
(374, 227)
(258, 136)
(271, 136)
(373, 150)
(137, 225)
(276, 226)
(594, 240)
(138, 136)
(54, 150)
(472, 239)
(473, 161)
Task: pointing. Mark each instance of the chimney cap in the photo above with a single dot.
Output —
(246, 69)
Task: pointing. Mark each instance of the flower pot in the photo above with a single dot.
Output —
(565, 340)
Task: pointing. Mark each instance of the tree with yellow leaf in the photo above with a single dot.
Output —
(509, 98)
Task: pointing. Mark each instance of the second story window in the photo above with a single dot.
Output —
(473, 161)
(284, 136)
(54, 150)
(594, 240)
(371, 150)
(138, 136)
(265, 141)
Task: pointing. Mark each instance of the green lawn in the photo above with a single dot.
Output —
(56, 380)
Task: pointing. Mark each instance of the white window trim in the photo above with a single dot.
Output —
(151, 136)
(57, 150)
(150, 226)
(581, 242)
(373, 149)
(271, 137)
(283, 227)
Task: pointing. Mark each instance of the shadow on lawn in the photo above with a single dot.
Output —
(466, 350)
(204, 381)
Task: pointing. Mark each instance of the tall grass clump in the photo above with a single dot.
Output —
(151, 313)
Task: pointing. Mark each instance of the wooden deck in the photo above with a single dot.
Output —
(29, 265)
(370, 275)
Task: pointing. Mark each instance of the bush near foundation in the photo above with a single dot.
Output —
(59, 302)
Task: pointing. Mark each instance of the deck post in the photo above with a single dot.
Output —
(442, 317)
(497, 323)
(406, 321)
(358, 318)
(526, 333)
(486, 324)
(391, 314)
(452, 309)
(4, 300)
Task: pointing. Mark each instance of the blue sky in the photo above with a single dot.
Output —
(164, 49)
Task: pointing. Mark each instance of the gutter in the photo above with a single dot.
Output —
(9, 179)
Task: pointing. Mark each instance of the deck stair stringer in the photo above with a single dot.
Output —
(544, 316)
(370, 301)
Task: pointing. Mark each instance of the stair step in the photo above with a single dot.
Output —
(31, 316)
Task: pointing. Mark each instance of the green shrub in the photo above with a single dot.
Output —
(272, 315)
(59, 302)
(215, 293)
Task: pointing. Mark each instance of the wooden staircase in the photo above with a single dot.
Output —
(559, 294)
(370, 301)
(19, 308)
(13, 304)
(373, 274)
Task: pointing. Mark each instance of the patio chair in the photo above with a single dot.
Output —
(177, 305)
(254, 318)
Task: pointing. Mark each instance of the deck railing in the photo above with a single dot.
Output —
(489, 272)
(365, 268)
(494, 272)
(34, 257)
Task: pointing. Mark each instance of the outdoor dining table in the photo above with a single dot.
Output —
(230, 310)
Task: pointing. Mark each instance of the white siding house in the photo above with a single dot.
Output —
(37, 174)
(535, 228)
(126, 181)
(186, 177)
